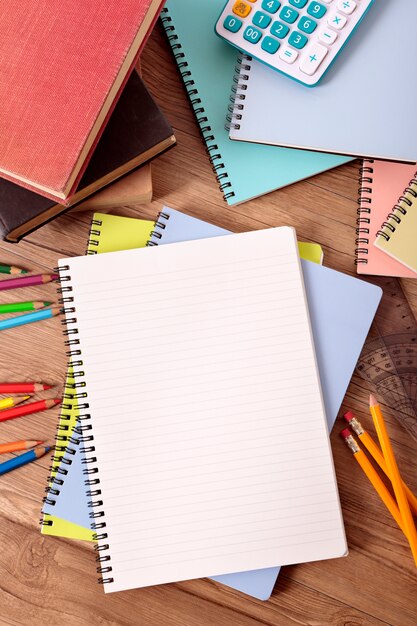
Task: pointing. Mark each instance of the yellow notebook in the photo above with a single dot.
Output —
(109, 233)
(398, 235)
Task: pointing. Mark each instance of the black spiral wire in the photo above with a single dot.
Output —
(206, 130)
(238, 95)
(363, 211)
(399, 210)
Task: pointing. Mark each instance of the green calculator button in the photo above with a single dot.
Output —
(270, 45)
(271, 6)
(297, 40)
(300, 4)
(279, 29)
(288, 15)
(261, 19)
(252, 34)
(233, 24)
(316, 9)
(307, 25)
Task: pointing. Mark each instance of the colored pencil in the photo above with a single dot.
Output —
(8, 403)
(23, 459)
(21, 307)
(29, 318)
(23, 387)
(12, 269)
(373, 477)
(27, 281)
(15, 446)
(374, 450)
(394, 475)
(28, 409)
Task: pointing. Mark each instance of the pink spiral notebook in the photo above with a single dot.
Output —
(381, 184)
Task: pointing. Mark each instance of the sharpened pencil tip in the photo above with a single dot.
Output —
(38, 443)
(372, 400)
(46, 387)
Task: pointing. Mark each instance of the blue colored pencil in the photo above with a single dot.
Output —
(20, 320)
(23, 459)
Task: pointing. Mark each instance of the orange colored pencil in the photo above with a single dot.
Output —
(15, 446)
(374, 450)
(373, 477)
(394, 475)
(27, 409)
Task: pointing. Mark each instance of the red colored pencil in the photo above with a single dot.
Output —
(27, 281)
(23, 387)
(27, 409)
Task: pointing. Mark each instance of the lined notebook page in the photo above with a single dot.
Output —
(208, 423)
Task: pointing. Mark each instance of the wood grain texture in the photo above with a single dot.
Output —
(44, 580)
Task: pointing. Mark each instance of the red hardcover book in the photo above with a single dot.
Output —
(62, 67)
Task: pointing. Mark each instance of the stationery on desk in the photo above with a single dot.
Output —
(362, 106)
(341, 311)
(380, 185)
(398, 234)
(215, 459)
(207, 65)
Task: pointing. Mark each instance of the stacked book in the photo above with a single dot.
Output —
(76, 116)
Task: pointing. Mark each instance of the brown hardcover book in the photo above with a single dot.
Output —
(135, 188)
(136, 133)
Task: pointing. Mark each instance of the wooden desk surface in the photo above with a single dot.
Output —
(52, 581)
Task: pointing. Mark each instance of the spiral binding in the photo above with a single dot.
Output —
(238, 95)
(206, 130)
(160, 225)
(398, 211)
(363, 211)
(62, 437)
(94, 232)
(82, 435)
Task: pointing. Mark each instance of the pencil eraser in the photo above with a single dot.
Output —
(349, 416)
(345, 433)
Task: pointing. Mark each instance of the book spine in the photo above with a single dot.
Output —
(238, 93)
(83, 436)
(206, 130)
(363, 212)
(158, 232)
(399, 211)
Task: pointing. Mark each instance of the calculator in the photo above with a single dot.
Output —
(300, 38)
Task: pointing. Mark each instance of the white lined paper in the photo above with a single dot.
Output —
(216, 458)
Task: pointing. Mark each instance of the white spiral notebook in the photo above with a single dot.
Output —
(225, 465)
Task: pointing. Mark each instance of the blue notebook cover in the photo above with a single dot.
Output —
(207, 64)
(341, 311)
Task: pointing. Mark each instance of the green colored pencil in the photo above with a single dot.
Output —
(11, 269)
(17, 307)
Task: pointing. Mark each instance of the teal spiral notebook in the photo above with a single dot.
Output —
(341, 310)
(207, 65)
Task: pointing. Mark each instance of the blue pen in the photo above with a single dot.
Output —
(20, 320)
(23, 459)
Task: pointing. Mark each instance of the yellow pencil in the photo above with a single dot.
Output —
(394, 475)
(373, 477)
(7, 403)
(373, 449)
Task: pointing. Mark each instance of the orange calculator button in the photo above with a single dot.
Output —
(242, 9)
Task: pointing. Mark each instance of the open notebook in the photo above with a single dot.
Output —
(341, 310)
(217, 470)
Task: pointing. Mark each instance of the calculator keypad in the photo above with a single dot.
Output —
(298, 37)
